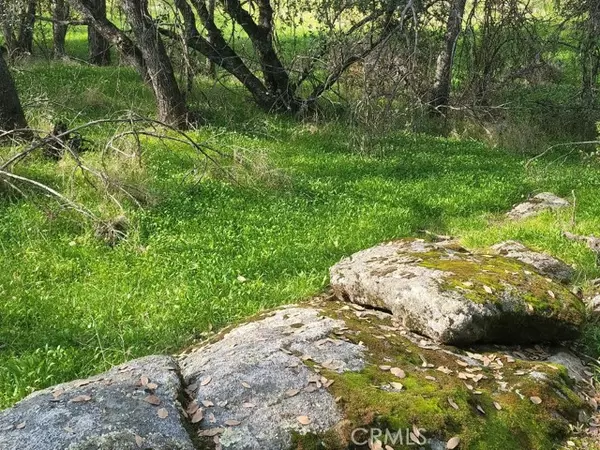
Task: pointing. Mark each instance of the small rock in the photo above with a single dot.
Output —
(545, 264)
(537, 204)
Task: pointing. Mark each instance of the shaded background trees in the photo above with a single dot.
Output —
(385, 61)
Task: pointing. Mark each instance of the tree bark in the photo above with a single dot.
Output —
(11, 112)
(170, 101)
(440, 94)
(98, 45)
(60, 13)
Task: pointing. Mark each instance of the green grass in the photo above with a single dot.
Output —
(70, 305)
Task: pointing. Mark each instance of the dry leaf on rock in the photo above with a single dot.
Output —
(81, 399)
(198, 416)
(153, 400)
(303, 420)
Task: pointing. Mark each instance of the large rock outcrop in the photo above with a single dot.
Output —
(457, 297)
(322, 375)
(261, 379)
(132, 406)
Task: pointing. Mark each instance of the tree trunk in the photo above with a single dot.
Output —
(98, 45)
(60, 14)
(112, 34)
(25, 42)
(11, 112)
(261, 36)
(170, 101)
(17, 29)
(217, 50)
(440, 95)
(590, 53)
(210, 65)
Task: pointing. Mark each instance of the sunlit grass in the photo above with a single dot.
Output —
(70, 305)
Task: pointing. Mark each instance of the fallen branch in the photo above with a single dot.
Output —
(552, 147)
(79, 208)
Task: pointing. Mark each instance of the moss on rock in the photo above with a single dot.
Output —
(486, 278)
(492, 394)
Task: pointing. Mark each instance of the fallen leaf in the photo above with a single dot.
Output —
(192, 407)
(430, 378)
(376, 445)
(152, 386)
(416, 431)
(397, 386)
(139, 441)
(413, 437)
(56, 394)
(488, 289)
(162, 413)
(292, 392)
(397, 372)
(452, 403)
(198, 416)
(232, 422)
(248, 405)
(205, 381)
(303, 420)
(480, 409)
(81, 399)
(153, 400)
(207, 403)
(211, 432)
(20, 426)
(551, 294)
(212, 418)
(385, 368)
(444, 369)
(497, 406)
(246, 385)
(535, 400)
(453, 443)
(144, 380)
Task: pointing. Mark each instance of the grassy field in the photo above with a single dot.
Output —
(205, 251)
